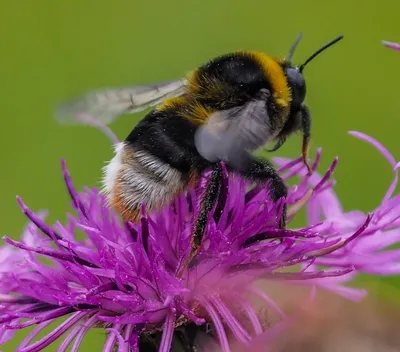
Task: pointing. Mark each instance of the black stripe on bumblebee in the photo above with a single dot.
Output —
(221, 112)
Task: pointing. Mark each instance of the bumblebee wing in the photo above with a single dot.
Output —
(229, 135)
(106, 105)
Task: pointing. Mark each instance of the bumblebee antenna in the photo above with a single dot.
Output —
(319, 51)
(294, 46)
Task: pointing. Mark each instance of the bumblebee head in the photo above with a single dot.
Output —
(297, 86)
(299, 115)
(294, 74)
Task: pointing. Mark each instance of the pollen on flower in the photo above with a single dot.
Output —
(123, 277)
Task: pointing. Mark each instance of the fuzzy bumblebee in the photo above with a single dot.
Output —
(223, 111)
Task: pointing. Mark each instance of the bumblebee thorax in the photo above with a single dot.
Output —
(232, 79)
(275, 75)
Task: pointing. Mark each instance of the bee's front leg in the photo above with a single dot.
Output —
(262, 171)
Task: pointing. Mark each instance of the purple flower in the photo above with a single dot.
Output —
(367, 253)
(122, 277)
(392, 45)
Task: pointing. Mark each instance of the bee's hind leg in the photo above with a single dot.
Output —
(208, 201)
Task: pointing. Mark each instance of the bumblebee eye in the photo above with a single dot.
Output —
(297, 85)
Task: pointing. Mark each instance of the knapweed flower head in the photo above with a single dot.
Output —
(121, 277)
(391, 45)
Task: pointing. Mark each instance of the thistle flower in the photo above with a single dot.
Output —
(391, 45)
(327, 215)
(122, 277)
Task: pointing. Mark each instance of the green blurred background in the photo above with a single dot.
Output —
(52, 50)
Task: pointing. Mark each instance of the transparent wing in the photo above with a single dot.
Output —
(228, 135)
(106, 105)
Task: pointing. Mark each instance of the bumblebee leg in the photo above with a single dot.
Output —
(208, 201)
(187, 336)
(306, 129)
(261, 171)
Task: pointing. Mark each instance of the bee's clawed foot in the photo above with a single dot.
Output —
(309, 169)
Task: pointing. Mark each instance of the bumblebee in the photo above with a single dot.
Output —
(221, 112)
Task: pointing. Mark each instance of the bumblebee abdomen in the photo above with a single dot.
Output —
(156, 162)
(136, 177)
(187, 107)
